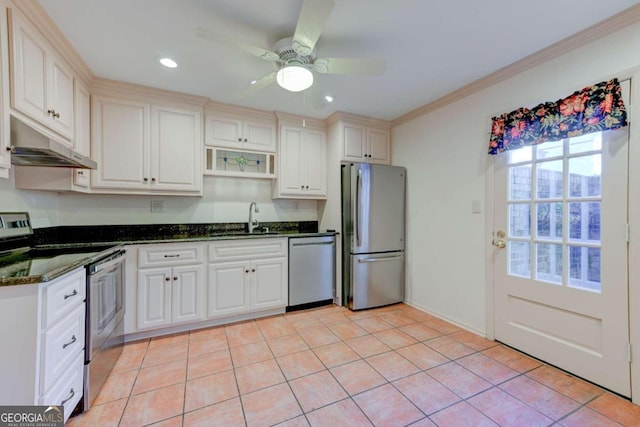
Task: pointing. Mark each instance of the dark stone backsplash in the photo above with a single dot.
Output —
(134, 232)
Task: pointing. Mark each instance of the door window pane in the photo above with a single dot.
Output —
(549, 262)
(549, 179)
(584, 176)
(584, 143)
(584, 268)
(549, 149)
(519, 220)
(524, 154)
(520, 182)
(519, 259)
(584, 221)
(549, 220)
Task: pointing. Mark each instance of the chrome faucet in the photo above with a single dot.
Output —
(253, 223)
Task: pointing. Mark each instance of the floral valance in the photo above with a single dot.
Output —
(592, 109)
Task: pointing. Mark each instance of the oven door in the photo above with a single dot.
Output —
(104, 321)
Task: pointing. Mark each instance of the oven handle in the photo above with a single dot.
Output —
(115, 259)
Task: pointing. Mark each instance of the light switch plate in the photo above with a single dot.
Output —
(475, 206)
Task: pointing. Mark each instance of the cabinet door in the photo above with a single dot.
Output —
(120, 144)
(82, 124)
(223, 132)
(154, 298)
(379, 146)
(269, 283)
(291, 167)
(227, 289)
(28, 64)
(353, 143)
(186, 294)
(5, 156)
(59, 96)
(259, 136)
(315, 161)
(176, 150)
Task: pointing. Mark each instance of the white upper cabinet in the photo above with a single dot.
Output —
(239, 133)
(365, 144)
(42, 83)
(302, 171)
(146, 148)
(82, 137)
(120, 144)
(176, 149)
(5, 156)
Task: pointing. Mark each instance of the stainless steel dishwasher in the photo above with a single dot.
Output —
(312, 271)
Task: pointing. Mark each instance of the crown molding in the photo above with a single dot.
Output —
(43, 22)
(362, 120)
(614, 23)
(106, 87)
(215, 107)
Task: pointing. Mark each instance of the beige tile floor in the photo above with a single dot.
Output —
(393, 366)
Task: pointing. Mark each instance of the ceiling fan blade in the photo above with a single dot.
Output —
(257, 86)
(265, 54)
(350, 65)
(313, 16)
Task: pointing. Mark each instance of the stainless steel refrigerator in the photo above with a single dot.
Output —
(373, 214)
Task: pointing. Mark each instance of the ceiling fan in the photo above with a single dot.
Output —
(295, 56)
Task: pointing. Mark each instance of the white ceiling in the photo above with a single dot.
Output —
(431, 47)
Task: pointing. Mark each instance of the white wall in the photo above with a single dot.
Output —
(223, 200)
(445, 154)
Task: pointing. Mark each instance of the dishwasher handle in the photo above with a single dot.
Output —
(329, 243)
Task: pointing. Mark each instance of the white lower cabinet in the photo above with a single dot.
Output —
(228, 288)
(171, 287)
(172, 294)
(46, 363)
(247, 276)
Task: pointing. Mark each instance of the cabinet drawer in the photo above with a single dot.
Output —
(62, 343)
(247, 249)
(62, 296)
(68, 390)
(165, 255)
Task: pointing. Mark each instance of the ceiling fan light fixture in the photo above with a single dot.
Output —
(294, 78)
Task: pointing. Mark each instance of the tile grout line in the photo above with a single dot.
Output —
(318, 316)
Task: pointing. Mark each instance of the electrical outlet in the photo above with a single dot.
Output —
(157, 206)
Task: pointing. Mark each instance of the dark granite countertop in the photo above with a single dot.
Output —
(28, 271)
(21, 268)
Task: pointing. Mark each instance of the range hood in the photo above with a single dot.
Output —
(32, 148)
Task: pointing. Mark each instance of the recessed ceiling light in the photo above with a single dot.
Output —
(328, 98)
(254, 82)
(168, 62)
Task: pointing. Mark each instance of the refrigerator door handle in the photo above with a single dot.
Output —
(387, 258)
(358, 191)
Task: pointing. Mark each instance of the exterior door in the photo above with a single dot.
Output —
(560, 253)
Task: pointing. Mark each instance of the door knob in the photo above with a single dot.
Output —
(500, 244)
